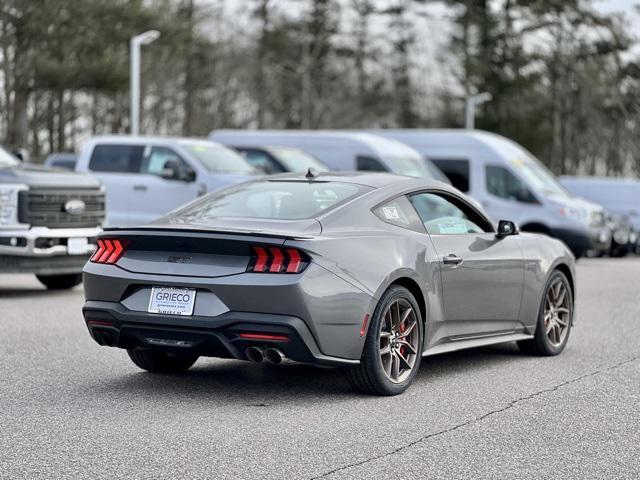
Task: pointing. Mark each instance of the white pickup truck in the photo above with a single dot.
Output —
(146, 177)
(48, 221)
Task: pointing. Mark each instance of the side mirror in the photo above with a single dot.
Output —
(189, 176)
(170, 170)
(506, 228)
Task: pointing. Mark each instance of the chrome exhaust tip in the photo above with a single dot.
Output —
(254, 354)
(275, 356)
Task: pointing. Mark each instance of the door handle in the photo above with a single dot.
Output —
(452, 259)
(140, 188)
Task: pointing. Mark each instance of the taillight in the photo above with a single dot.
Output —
(277, 260)
(109, 250)
(264, 336)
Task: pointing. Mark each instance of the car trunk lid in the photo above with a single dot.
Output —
(186, 251)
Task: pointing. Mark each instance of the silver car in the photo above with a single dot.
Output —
(366, 271)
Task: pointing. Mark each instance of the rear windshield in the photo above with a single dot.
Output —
(285, 200)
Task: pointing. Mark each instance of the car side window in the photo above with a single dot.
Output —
(457, 171)
(369, 164)
(443, 215)
(116, 158)
(400, 213)
(159, 158)
(156, 160)
(261, 160)
(504, 184)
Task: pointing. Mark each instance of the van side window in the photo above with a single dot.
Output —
(457, 171)
(116, 158)
(443, 215)
(369, 164)
(504, 184)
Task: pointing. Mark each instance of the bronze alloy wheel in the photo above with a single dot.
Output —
(399, 340)
(557, 312)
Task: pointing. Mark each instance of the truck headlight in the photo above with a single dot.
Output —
(596, 219)
(9, 204)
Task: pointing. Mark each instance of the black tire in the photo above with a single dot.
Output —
(60, 282)
(369, 376)
(157, 361)
(540, 344)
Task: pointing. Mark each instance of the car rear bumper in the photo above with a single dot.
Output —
(321, 312)
(114, 325)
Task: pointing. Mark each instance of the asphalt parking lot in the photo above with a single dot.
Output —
(72, 409)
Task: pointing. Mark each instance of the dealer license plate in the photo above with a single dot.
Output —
(172, 301)
(77, 246)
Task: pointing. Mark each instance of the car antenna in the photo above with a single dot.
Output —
(309, 175)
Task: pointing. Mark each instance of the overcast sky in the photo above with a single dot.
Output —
(626, 7)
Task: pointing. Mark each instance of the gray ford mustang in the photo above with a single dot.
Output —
(371, 272)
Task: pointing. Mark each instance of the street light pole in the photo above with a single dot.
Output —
(472, 102)
(136, 42)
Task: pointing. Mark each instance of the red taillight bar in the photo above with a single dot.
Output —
(261, 259)
(99, 323)
(264, 336)
(109, 250)
(294, 261)
(277, 260)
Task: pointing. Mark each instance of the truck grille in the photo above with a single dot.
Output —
(52, 208)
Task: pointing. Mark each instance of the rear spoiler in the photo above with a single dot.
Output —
(226, 233)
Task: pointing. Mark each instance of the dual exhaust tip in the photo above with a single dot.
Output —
(104, 337)
(271, 355)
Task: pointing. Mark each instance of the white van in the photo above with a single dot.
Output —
(346, 151)
(511, 183)
(618, 195)
(146, 177)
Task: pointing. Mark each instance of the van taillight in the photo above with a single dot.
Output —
(109, 250)
(277, 260)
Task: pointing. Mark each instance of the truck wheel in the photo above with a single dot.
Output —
(60, 282)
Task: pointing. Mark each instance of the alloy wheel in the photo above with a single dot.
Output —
(399, 340)
(557, 313)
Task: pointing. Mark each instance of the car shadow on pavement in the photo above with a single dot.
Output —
(467, 360)
(236, 381)
(264, 385)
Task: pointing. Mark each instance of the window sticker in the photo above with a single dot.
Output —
(391, 213)
(451, 228)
